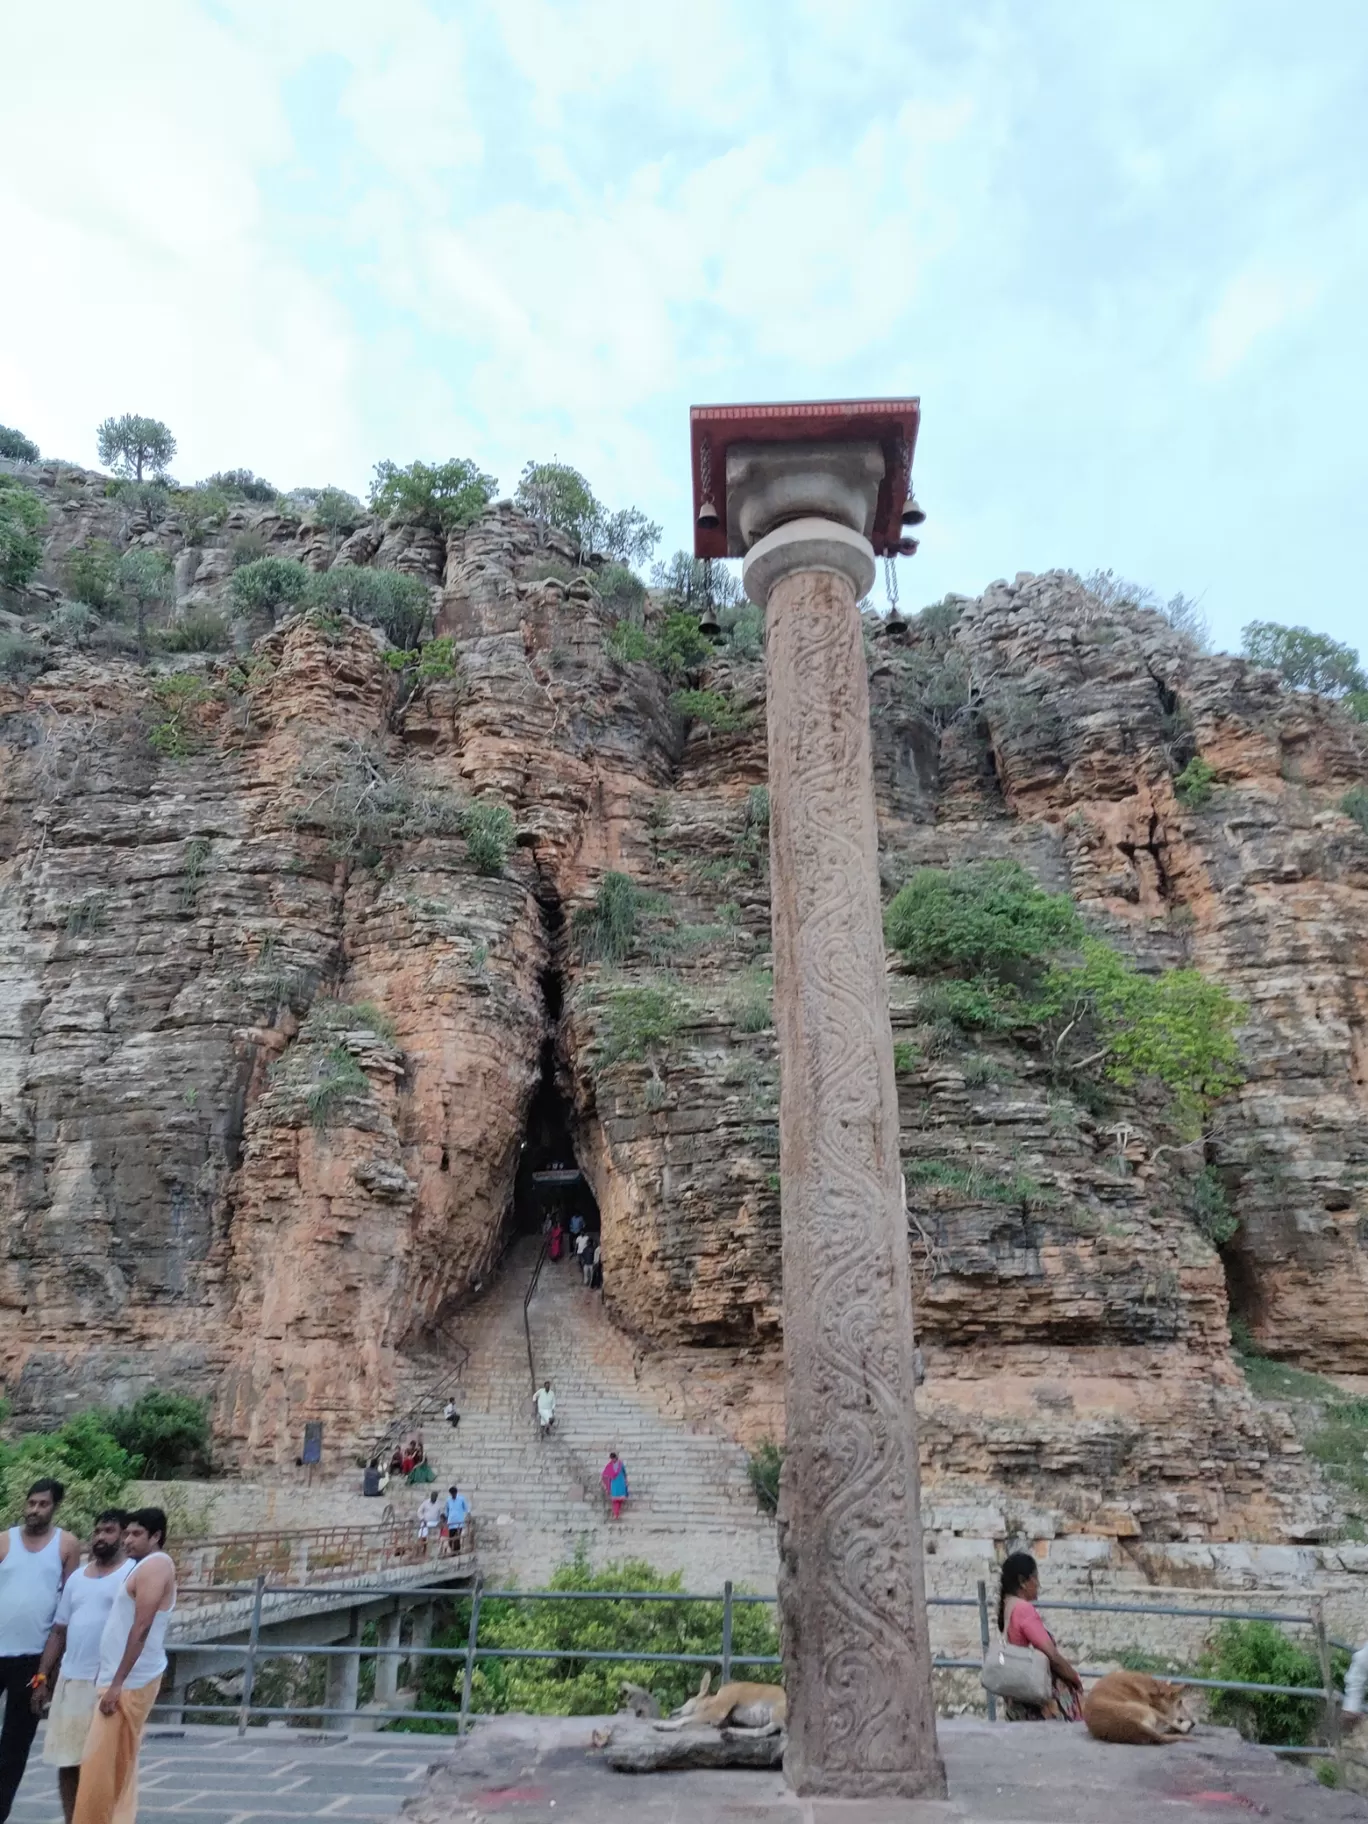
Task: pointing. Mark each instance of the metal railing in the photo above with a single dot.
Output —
(528, 1296)
(428, 1404)
(726, 1659)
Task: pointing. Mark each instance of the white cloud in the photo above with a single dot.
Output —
(1254, 305)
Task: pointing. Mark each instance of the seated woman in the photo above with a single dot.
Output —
(1020, 1626)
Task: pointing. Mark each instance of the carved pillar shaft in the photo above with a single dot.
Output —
(856, 1648)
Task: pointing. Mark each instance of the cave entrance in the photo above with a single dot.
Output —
(549, 1184)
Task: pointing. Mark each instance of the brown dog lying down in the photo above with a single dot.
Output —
(1135, 1708)
(748, 1709)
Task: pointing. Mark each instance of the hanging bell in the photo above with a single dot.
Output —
(895, 627)
(707, 515)
(912, 514)
(708, 627)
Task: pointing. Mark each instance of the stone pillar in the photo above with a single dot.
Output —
(344, 1670)
(857, 1654)
(387, 1664)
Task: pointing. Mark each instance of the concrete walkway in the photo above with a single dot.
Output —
(521, 1767)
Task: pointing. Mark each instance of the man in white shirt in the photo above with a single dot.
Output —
(132, 1660)
(68, 1698)
(546, 1407)
(35, 1561)
(429, 1516)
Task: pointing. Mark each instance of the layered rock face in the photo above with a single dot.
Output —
(269, 1039)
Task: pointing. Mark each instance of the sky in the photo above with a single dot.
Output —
(1120, 253)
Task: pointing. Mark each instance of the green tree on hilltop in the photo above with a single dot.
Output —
(130, 444)
(16, 446)
(1309, 661)
(444, 495)
(559, 496)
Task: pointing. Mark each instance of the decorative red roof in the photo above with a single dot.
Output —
(891, 423)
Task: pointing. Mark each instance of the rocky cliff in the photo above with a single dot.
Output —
(276, 1035)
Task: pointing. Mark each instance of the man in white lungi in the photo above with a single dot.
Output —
(65, 1684)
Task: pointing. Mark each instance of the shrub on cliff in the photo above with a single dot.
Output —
(1308, 661)
(22, 516)
(142, 586)
(714, 709)
(1355, 804)
(83, 1455)
(16, 446)
(91, 574)
(1195, 784)
(573, 1686)
(604, 931)
(636, 1023)
(389, 599)
(444, 496)
(269, 586)
(489, 830)
(559, 496)
(985, 917)
(239, 484)
(1258, 1652)
(131, 444)
(168, 1432)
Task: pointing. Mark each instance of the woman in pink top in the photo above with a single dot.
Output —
(1021, 1626)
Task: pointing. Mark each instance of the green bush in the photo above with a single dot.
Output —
(444, 495)
(578, 1687)
(1195, 783)
(979, 1005)
(559, 496)
(269, 585)
(168, 1432)
(130, 444)
(620, 589)
(338, 1077)
(751, 1001)
(1308, 661)
(16, 446)
(177, 696)
(637, 1022)
(143, 584)
(197, 630)
(715, 709)
(984, 917)
(202, 509)
(1355, 804)
(1211, 1207)
(489, 830)
(434, 662)
(1176, 1029)
(21, 658)
(240, 484)
(1258, 1652)
(94, 1466)
(389, 599)
(745, 630)
(91, 574)
(604, 931)
(906, 1057)
(628, 643)
(336, 510)
(22, 516)
(1340, 1446)
(764, 1466)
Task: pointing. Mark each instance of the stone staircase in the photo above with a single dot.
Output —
(534, 1498)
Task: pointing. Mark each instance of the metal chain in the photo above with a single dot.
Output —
(891, 581)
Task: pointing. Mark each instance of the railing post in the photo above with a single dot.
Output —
(472, 1640)
(726, 1631)
(983, 1641)
(1332, 1709)
(249, 1668)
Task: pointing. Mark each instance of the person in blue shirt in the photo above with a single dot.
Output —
(457, 1513)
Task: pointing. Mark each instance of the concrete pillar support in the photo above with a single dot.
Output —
(852, 1598)
(344, 1671)
(387, 1665)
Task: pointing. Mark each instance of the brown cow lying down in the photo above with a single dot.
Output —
(1135, 1708)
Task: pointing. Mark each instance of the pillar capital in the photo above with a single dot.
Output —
(808, 544)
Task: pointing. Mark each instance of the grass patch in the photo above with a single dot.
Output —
(637, 1022)
(972, 1181)
(605, 930)
(1195, 784)
(750, 1002)
(764, 1465)
(906, 1057)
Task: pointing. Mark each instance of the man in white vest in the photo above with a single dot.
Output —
(132, 1660)
(35, 1561)
(65, 1683)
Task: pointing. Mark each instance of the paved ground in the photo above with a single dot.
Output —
(207, 1776)
(519, 1768)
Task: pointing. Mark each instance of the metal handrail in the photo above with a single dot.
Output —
(430, 1400)
(527, 1300)
(726, 1659)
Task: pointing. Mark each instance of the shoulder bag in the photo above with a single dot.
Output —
(1020, 1673)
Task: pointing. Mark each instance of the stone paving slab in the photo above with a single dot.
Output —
(206, 1775)
(523, 1768)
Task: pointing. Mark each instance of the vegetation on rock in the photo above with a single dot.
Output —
(1309, 661)
(396, 603)
(573, 1686)
(1258, 1652)
(133, 444)
(22, 514)
(16, 446)
(604, 931)
(240, 484)
(142, 586)
(167, 1432)
(268, 586)
(1194, 785)
(443, 496)
(559, 496)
